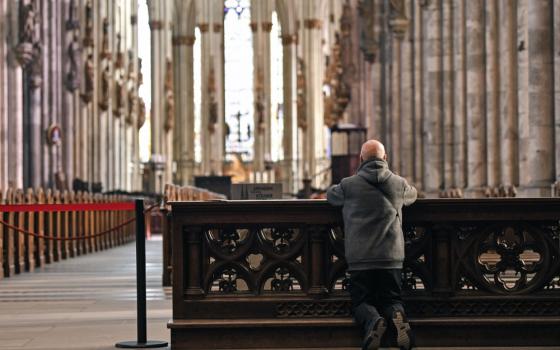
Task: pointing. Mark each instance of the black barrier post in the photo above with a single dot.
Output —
(141, 342)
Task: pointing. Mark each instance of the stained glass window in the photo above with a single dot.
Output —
(238, 61)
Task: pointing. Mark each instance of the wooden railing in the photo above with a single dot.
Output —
(178, 193)
(31, 238)
(269, 274)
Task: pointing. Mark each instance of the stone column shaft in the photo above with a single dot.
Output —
(3, 102)
(493, 94)
(448, 98)
(290, 135)
(459, 110)
(557, 90)
(433, 164)
(476, 81)
(314, 143)
(184, 112)
(541, 97)
(394, 151)
(407, 95)
(509, 158)
(419, 76)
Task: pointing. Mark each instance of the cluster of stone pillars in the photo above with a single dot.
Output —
(69, 106)
(307, 30)
(468, 100)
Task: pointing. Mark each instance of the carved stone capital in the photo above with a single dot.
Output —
(254, 26)
(179, 40)
(156, 25)
(217, 27)
(313, 23)
(203, 27)
(133, 20)
(266, 26)
(289, 39)
(399, 26)
(24, 53)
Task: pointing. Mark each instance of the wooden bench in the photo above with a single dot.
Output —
(20, 252)
(271, 274)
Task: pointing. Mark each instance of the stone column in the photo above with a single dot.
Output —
(459, 109)
(314, 142)
(3, 101)
(476, 81)
(157, 165)
(206, 69)
(492, 98)
(407, 115)
(509, 150)
(394, 147)
(217, 43)
(72, 58)
(557, 92)
(447, 79)
(259, 92)
(419, 77)
(523, 90)
(14, 103)
(290, 144)
(541, 152)
(433, 158)
(184, 112)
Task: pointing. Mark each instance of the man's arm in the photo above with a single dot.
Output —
(410, 194)
(335, 195)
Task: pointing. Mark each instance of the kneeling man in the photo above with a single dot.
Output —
(372, 202)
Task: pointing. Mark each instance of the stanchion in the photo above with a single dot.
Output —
(141, 342)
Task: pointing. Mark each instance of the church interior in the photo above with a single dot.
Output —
(131, 96)
(191, 103)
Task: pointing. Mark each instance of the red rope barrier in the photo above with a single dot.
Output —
(51, 238)
(116, 206)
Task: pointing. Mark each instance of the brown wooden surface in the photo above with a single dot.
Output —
(20, 252)
(459, 281)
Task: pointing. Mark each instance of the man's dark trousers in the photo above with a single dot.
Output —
(375, 293)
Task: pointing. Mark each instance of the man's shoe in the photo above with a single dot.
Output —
(403, 332)
(372, 340)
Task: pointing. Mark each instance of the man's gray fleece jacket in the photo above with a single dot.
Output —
(372, 202)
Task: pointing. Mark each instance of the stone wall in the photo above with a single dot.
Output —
(68, 94)
(472, 106)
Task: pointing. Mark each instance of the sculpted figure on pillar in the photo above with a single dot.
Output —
(212, 103)
(105, 52)
(398, 21)
(259, 101)
(141, 113)
(301, 117)
(120, 81)
(74, 53)
(120, 96)
(88, 37)
(132, 90)
(104, 89)
(369, 41)
(169, 98)
(36, 79)
(337, 96)
(27, 36)
(87, 94)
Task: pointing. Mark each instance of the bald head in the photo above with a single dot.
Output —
(373, 149)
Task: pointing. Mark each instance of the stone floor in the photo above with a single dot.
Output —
(86, 303)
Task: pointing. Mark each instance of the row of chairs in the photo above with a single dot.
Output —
(74, 232)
